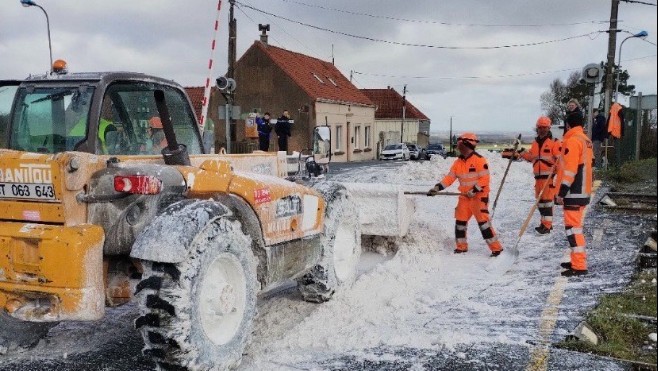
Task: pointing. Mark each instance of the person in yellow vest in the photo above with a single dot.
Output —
(104, 127)
(574, 177)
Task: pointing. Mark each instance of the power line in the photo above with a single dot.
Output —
(438, 22)
(590, 34)
(282, 28)
(638, 2)
(487, 76)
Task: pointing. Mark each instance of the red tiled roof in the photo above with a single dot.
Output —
(319, 79)
(196, 97)
(389, 105)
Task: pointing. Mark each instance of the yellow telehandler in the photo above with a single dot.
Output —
(106, 194)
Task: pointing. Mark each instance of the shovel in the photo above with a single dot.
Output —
(508, 257)
(509, 163)
(424, 193)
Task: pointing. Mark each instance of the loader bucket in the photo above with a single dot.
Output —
(384, 210)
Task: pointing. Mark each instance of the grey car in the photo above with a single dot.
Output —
(435, 149)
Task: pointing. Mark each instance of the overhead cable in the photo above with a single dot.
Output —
(590, 35)
(488, 76)
(638, 2)
(440, 22)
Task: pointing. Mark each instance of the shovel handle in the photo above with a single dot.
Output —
(438, 194)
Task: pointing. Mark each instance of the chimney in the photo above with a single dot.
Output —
(263, 36)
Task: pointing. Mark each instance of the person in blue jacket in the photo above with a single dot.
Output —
(264, 130)
(599, 135)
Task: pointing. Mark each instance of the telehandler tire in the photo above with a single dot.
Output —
(198, 314)
(341, 246)
(15, 333)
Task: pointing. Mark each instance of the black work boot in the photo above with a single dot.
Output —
(457, 251)
(566, 265)
(495, 253)
(574, 272)
(543, 230)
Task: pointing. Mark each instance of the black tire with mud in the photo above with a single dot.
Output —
(174, 329)
(15, 333)
(341, 246)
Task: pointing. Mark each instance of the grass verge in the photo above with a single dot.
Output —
(621, 334)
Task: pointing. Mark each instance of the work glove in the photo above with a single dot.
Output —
(435, 190)
(473, 191)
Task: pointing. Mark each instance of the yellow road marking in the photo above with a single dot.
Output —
(539, 355)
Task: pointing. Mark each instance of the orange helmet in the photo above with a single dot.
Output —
(469, 137)
(543, 122)
(155, 122)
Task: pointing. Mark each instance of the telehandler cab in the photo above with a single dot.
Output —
(106, 195)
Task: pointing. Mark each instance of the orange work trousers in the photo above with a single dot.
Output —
(478, 207)
(545, 204)
(573, 225)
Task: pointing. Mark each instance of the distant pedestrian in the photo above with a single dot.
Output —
(574, 112)
(264, 130)
(574, 178)
(472, 171)
(599, 135)
(282, 129)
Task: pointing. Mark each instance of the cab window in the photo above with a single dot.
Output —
(50, 120)
(129, 122)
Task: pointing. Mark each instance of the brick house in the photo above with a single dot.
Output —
(388, 119)
(315, 92)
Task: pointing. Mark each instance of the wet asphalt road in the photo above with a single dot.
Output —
(615, 240)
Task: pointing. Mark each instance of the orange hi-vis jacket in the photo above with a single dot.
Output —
(472, 172)
(575, 168)
(614, 121)
(543, 154)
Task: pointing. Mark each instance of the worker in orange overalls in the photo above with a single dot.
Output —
(472, 170)
(574, 177)
(544, 153)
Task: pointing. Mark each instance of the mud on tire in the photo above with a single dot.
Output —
(15, 333)
(341, 246)
(198, 314)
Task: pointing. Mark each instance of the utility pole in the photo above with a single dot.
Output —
(232, 41)
(612, 49)
(404, 112)
(450, 138)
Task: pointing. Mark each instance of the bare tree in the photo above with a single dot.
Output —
(553, 100)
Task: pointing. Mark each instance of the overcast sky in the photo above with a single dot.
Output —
(172, 39)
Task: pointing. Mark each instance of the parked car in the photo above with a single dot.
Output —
(397, 151)
(435, 149)
(416, 152)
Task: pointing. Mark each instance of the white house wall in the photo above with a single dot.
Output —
(353, 135)
(389, 131)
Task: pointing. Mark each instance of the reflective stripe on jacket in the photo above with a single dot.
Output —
(543, 153)
(575, 169)
(472, 171)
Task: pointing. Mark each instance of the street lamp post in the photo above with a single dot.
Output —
(29, 3)
(641, 34)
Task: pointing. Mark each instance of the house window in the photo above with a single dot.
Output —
(366, 132)
(339, 138)
(332, 81)
(357, 136)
